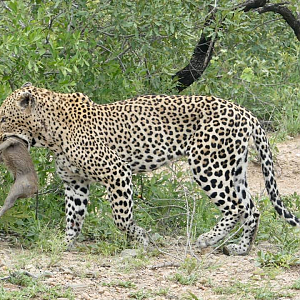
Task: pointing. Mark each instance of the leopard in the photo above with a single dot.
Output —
(108, 143)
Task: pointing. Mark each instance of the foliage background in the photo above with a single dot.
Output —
(112, 50)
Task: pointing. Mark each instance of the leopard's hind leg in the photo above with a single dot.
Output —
(250, 218)
(214, 175)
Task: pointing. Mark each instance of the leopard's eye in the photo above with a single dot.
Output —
(3, 119)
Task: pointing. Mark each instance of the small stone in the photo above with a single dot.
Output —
(67, 271)
(53, 283)
(101, 290)
(155, 237)
(91, 274)
(85, 296)
(30, 267)
(77, 287)
(47, 274)
(129, 253)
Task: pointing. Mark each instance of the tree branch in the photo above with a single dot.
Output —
(252, 4)
(200, 59)
(288, 16)
(198, 63)
(204, 49)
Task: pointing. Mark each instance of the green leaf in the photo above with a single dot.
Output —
(248, 74)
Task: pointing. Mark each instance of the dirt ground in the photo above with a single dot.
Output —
(157, 276)
(287, 168)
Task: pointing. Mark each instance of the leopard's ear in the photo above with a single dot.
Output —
(26, 84)
(26, 101)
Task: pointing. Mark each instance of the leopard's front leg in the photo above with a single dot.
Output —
(120, 196)
(76, 200)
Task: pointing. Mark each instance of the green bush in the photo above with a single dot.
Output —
(112, 50)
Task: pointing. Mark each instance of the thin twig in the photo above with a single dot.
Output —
(225, 241)
(169, 217)
(164, 265)
(187, 224)
(104, 48)
(54, 191)
(165, 206)
(164, 252)
(36, 205)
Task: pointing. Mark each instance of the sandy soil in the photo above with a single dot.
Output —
(287, 168)
(148, 276)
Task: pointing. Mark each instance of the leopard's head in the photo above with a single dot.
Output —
(19, 115)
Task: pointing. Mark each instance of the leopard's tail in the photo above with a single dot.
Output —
(263, 148)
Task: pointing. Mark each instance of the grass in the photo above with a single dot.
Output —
(119, 283)
(140, 295)
(280, 259)
(296, 285)
(20, 279)
(105, 248)
(246, 290)
(161, 203)
(147, 294)
(25, 287)
(190, 296)
(162, 292)
(184, 279)
(129, 264)
(164, 202)
(289, 119)
(189, 272)
(190, 265)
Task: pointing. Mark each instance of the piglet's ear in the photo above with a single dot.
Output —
(26, 101)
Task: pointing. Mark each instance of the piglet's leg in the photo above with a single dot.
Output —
(7, 143)
(15, 192)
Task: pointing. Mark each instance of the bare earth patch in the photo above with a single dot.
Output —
(287, 168)
(156, 275)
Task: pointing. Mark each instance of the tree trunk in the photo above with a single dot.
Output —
(197, 65)
(203, 51)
